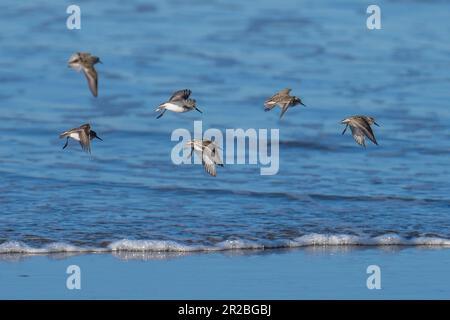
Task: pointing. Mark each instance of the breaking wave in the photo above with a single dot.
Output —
(310, 240)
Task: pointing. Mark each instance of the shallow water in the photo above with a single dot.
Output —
(232, 55)
(312, 273)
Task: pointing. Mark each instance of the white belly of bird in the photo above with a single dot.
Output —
(174, 107)
(75, 136)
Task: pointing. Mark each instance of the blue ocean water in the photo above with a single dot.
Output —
(233, 55)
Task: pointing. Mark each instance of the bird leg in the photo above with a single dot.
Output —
(190, 154)
(67, 142)
(346, 126)
(161, 114)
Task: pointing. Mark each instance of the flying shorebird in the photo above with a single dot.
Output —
(178, 102)
(85, 61)
(360, 127)
(208, 150)
(283, 100)
(83, 134)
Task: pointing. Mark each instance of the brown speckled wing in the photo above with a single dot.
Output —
(85, 142)
(92, 78)
(365, 128)
(180, 95)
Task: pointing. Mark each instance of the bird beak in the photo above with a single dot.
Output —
(303, 104)
(376, 124)
(99, 138)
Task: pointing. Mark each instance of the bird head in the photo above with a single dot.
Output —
(297, 100)
(93, 135)
(371, 121)
(96, 60)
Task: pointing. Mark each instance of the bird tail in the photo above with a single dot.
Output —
(269, 105)
(63, 135)
(161, 107)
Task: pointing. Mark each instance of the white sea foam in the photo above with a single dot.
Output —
(20, 247)
(238, 244)
(315, 239)
(150, 245)
(310, 240)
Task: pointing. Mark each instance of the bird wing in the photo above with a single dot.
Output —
(365, 128)
(280, 93)
(284, 92)
(85, 126)
(213, 151)
(180, 95)
(189, 103)
(273, 100)
(210, 158)
(92, 78)
(85, 142)
(358, 135)
(283, 111)
(208, 164)
(68, 132)
(284, 106)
